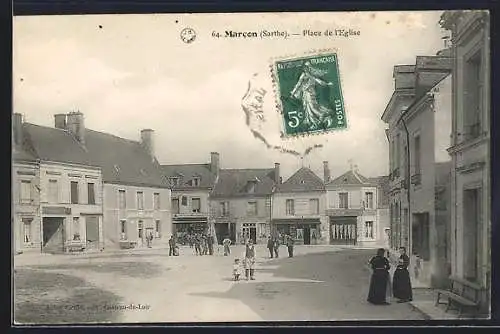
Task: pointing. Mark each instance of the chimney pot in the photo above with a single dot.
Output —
(214, 162)
(277, 177)
(60, 121)
(147, 141)
(75, 125)
(326, 171)
(17, 129)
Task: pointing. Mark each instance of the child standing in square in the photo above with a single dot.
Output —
(236, 269)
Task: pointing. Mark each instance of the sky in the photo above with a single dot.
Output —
(130, 72)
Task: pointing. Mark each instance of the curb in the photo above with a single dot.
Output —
(424, 314)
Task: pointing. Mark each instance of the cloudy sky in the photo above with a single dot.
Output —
(129, 72)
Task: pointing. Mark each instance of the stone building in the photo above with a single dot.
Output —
(470, 148)
(298, 208)
(191, 185)
(356, 214)
(241, 202)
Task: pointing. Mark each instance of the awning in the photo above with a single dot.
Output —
(296, 221)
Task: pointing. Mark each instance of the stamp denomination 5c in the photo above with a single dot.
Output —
(309, 94)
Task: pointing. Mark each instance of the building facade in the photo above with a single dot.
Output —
(298, 208)
(353, 211)
(191, 185)
(26, 223)
(470, 148)
(241, 203)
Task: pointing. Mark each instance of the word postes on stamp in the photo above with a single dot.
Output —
(309, 94)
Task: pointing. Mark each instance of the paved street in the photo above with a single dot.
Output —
(319, 283)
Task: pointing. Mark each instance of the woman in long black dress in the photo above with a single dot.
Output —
(380, 275)
(401, 285)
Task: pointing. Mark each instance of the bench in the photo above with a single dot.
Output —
(464, 294)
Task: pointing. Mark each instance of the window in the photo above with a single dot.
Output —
(27, 230)
(174, 181)
(343, 200)
(184, 201)
(196, 205)
(156, 201)
(369, 229)
(123, 229)
(53, 191)
(252, 209)
(122, 199)
(76, 228)
(392, 155)
(140, 229)
(196, 182)
(175, 206)
(140, 200)
(224, 209)
(251, 187)
(314, 206)
(416, 153)
(473, 96)
(290, 207)
(369, 200)
(74, 192)
(157, 228)
(25, 192)
(91, 193)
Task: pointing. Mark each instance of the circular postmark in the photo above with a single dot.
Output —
(188, 35)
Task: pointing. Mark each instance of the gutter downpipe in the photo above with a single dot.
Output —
(408, 181)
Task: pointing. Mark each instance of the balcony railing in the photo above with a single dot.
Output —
(416, 179)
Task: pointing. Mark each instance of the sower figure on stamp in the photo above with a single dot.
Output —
(249, 260)
(305, 91)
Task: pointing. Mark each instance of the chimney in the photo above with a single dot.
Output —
(17, 129)
(76, 126)
(60, 121)
(277, 178)
(214, 162)
(147, 141)
(326, 171)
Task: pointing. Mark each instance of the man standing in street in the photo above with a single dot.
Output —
(289, 243)
(171, 246)
(276, 245)
(210, 242)
(270, 245)
(249, 257)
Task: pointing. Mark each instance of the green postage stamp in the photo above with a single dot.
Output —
(309, 94)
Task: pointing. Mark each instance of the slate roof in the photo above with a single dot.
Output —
(235, 182)
(350, 178)
(121, 160)
(187, 172)
(301, 181)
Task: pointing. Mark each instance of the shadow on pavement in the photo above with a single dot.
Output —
(337, 290)
(52, 298)
(131, 269)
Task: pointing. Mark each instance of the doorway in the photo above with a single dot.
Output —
(307, 235)
(420, 236)
(53, 234)
(249, 232)
(92, 232)
(221, 231)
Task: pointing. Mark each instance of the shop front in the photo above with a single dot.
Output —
(303, 231)
(182, 227)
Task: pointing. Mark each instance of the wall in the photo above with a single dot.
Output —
(113, 214)
(190, 194)
(65, 174)
(29, 172)
(442, 119)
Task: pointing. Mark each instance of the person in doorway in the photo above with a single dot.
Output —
(276, 247)
(270, 245)
(171, 246)
(378, 282)
(290, 242)
(249, 260)
(401, 284)
(210, 244)
(226, 243)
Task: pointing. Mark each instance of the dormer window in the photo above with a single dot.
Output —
(251, 186)
(302, 182)
(174, 181)
(196, 181)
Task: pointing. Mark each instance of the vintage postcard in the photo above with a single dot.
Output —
(251, 167)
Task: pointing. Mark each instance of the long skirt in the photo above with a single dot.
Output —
(401, 285)
(378, 287)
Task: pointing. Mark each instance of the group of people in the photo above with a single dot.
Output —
(380, 282)
(273, 245)
(202, 243)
